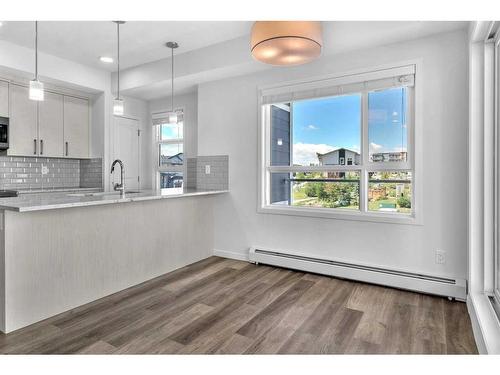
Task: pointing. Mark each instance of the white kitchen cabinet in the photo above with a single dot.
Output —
(4, 99)
(23, 137)
(76, 127)
(51, 125)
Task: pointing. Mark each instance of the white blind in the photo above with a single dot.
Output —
(161, 118)
(380, 79)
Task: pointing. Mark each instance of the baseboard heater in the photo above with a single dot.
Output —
(452, 288)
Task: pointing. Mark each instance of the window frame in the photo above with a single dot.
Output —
(412, 164)
(496, 164)
(157, 142)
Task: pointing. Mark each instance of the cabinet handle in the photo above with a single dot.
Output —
(41, 146)
(66, 148)
(34, 144)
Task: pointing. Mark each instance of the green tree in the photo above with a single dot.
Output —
(404, 202)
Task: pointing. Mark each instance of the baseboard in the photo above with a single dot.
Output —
(231, 255)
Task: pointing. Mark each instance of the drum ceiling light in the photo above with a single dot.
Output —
(286, 42)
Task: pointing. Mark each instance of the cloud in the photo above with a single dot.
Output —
(375, 147)
(305, 153)
(311, 127)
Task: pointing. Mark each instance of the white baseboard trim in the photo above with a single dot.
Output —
(231, 255)
(485, 324)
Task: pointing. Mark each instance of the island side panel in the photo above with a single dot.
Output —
(2, 272)
(56, 260)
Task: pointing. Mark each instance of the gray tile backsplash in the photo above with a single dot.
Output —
(218, 178)
(91, 173)
(25, 173)
(191, 173)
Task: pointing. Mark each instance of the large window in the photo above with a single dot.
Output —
(346, 149)
(169, 146)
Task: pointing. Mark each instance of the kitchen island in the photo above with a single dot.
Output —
(61, 250)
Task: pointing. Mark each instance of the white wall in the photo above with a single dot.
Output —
(227, 114)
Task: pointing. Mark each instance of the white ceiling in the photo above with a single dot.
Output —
(141, 41)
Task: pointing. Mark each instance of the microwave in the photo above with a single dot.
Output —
(4, 133)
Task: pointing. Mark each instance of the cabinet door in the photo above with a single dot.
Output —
(23, 123)
(51, 125)
(4, 99)
(76, 127)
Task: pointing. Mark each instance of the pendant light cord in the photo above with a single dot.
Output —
(36, 50)
(172, 100)
(118, 33)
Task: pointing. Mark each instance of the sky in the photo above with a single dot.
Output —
(322, 125)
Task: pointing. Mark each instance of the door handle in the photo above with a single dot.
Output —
(34, 144)
(66, 148)
(41, 146)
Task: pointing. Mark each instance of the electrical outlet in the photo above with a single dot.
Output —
(207, 169)
(45, 169)
(440, 256)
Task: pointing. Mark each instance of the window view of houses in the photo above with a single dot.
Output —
(171, 155)
(327, 132)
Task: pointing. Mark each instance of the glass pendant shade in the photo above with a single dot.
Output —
(36, 90)
(286, 42)
(118, 107)
(172, 118)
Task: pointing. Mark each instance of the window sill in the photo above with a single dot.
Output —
(339, 214)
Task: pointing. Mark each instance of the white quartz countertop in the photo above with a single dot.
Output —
(56, 200)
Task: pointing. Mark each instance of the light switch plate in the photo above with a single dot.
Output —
(207, 169)
(45, 169)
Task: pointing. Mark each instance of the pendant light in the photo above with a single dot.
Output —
(172, 115)
(118, 102)
(36, 87)
(286, 42)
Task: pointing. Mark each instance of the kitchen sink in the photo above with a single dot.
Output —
(102, 193)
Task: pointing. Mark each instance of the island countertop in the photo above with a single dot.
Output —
(50, 201)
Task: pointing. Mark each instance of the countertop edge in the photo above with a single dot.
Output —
(110, 201)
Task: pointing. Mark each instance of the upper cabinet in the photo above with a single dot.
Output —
(23, 134)
(4, 99)
(51, 125)
(58, 126)
(76, 127)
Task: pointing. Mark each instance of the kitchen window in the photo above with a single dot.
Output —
(341, 147)
(169, 154)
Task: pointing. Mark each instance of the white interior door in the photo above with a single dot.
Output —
(126, 148)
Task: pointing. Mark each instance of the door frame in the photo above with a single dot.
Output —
(112, 140)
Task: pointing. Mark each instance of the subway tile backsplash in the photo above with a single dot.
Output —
(191, 173)
(91, 173)
(25, 173)
(218, 178)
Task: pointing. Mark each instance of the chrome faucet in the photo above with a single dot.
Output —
(121, 186)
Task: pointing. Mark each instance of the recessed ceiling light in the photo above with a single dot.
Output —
(106, 59)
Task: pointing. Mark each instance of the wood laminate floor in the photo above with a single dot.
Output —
(226, 306)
